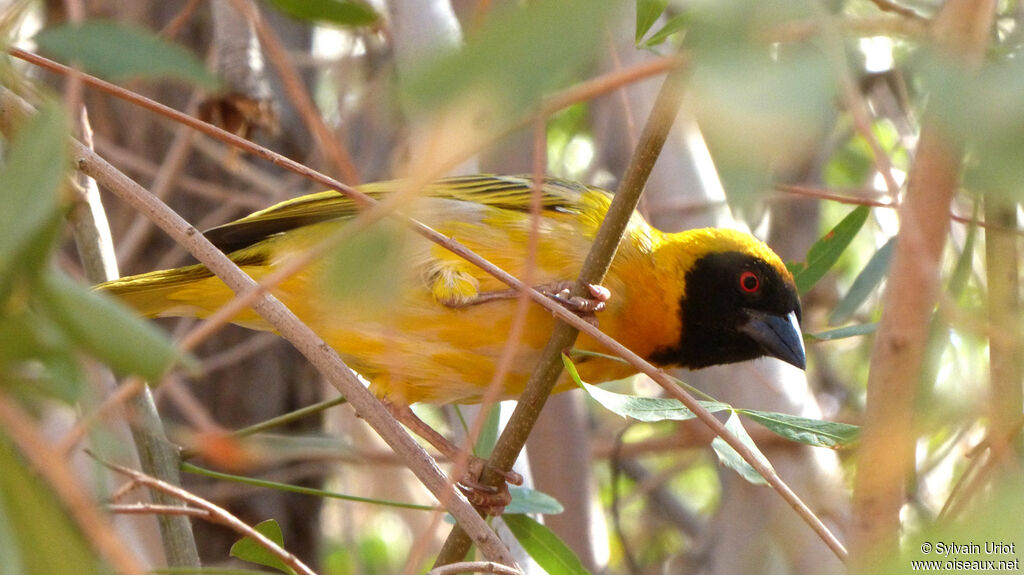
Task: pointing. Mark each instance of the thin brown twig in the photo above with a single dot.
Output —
(154, 509)
(130, 388)
(215, 514)
(825, 194)
(180, 19)
(132, 162)
(982, 464)
(474, 567)
(297, 93)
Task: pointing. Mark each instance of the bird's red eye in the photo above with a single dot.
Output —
(749, 282)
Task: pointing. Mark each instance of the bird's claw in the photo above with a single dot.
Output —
(585, 307)
(490, 500)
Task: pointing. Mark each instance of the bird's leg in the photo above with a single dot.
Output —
(492, 500)
(558, 291)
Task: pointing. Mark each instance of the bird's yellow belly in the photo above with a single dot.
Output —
(432, 353)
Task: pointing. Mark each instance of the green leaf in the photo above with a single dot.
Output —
(826, 251)
(32, 174)
(106, 329)
(329, 11)
(30, 338)
(550, 552)
(731, 458)
(38, 537)
(489, 433)
(647, 13)
(814, 432)
(248, 549)
(865, 283)
(526, 500)
(118, 52)
(843, 332)
(648, 409)
(522, 51)
(675, 24)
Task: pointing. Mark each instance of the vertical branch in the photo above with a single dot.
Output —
(158, 457)
(886, 455)
(1002, 269)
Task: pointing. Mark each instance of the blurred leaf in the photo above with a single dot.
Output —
(31, 176)
(853, 164)
(526, 500)
(826, 251)
(814, 432)
(43, 539)
(35, 355)
(248, 549)
(867, 280)
(489, 433)
(106, 329)
(647, 13)
(677, 23)
(992, 516)
(518, 55)
(732, 459)
(760, 106)
(649, 409)
(981, 109)
(369, 266)
(344, 13)
(118, 52)
(843, 332)
(550, 552)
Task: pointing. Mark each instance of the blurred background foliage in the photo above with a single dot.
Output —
(767, 139)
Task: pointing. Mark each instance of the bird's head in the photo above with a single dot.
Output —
(739, 302)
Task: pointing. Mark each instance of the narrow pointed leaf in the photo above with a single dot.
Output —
(647, 13)
(843, 332)
(677, 23)
(816, 432)
(550, 552)
(731, 458)
(526, 500)
(865, 283)
(648, 409)
(826, 251)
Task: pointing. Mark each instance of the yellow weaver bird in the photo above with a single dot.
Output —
(692, 299)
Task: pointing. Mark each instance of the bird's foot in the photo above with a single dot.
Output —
(490, 500)
(585, 307)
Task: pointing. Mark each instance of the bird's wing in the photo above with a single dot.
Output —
(502, 192)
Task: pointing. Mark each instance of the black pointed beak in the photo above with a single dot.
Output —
(778, 336)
